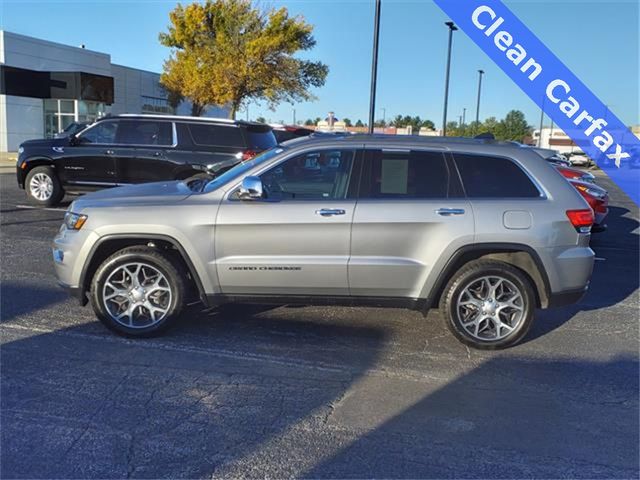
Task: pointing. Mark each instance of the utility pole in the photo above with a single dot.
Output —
(452, 28)
(464, 115)
(480, 73)
(541, 124)
(374, 66)
(294, 116)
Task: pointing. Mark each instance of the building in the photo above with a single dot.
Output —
(556, 139)
(45, 86)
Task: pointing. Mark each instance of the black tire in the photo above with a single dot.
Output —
(153, 259)
(472, 275)
(46, 200)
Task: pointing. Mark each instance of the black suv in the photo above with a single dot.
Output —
(126, 149)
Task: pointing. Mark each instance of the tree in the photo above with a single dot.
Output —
(359, 123)
(380, 123)
(308, 122)
(261, 120)
(228, 52)
(513, 127)
(347, 122)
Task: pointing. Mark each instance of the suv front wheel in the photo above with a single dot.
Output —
(43, 187)
(138, 291)
(488, 304)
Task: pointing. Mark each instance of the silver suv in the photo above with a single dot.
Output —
(487, 231)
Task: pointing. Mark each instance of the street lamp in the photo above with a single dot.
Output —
(452, 28)
(374, 66)
(480, 74)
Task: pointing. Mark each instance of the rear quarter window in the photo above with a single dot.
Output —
(493, 177)
(216, 135)
(260, 138)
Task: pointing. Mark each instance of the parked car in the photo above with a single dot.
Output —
(128, 149)
(576, 174)
(284, 133)
(486, 232)
(72, 129)
(579, 158)
(551, 156)
(597, 198)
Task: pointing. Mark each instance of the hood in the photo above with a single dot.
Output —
(157, 193)
(46, 142)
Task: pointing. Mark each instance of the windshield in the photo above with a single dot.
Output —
(241, 168)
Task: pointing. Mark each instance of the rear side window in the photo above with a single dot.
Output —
(145, 132)
(216, 135)
(260, 138)
(409, 174)
(493, 177)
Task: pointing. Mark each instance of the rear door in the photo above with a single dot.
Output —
(91, 160)
(216, 146)
(410, 211)
(296, 240)
(149, 145)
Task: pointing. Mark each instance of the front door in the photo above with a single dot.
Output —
(296, 240)
(91, 160)
(410, 213)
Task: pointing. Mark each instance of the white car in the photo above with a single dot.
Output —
(580, 159)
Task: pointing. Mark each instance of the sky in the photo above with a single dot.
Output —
(597, 40)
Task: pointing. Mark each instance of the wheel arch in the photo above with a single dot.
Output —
(521, 256)
(109, 244)
(29, 164)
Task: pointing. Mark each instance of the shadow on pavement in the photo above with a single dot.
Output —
(17, 299)
(508, 418)
(82, 405)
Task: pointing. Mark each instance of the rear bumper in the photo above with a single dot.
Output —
(568, 297)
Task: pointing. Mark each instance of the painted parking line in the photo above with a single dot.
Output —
(32, 207)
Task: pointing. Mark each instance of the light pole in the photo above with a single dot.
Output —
(294, 116)
(452, 28)
(480, 73)
(464, 115)
(374, 66)
(541, 123)
(384, 115)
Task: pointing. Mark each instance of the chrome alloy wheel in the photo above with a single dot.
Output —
(137, 295)
(490, 308)
(41, 187)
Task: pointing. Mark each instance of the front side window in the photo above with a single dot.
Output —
(404, 175)
(493, 177)
(145, 132)
(318, 175)
(103, 132)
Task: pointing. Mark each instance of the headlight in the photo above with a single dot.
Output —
(20, 150)
(74, 221)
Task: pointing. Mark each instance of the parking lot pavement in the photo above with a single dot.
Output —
(313, 392)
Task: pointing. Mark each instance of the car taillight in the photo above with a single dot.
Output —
(248, 155)
(582, 219)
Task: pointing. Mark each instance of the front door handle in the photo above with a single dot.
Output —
(447, 212)
(157, 154)
(109, 152)
(330, 212)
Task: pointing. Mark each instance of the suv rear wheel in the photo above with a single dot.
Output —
(488, 304)
(43, 187)
(138, 291)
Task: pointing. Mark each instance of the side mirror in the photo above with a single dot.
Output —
(251, 188)
(73, 140)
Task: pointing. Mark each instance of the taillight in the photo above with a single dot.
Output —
(582, 219)
(248, 155)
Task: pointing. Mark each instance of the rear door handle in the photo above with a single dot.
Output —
(157, 154)
(329, 212)
(447, 212)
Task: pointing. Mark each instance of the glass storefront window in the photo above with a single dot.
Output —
(59, 114)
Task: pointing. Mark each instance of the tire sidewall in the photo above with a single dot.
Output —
(56, 195)
(462, 280)
(163, 265)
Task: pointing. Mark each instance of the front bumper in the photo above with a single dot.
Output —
(75, 292)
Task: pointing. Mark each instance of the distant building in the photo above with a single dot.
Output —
(556, 139)
(45, 86)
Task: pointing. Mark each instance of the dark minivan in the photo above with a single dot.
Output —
(126, 149)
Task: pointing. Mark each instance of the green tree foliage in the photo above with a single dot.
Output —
(347, 122)
(261, 120)
(416, 122)
(228, 52)
(359, 123)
